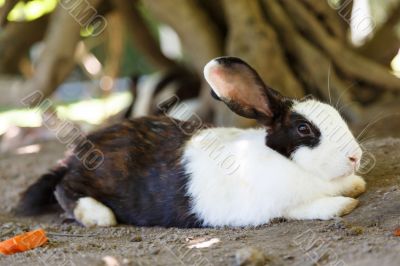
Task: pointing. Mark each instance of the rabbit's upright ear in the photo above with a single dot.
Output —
(239, 86)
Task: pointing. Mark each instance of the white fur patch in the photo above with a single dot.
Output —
(147, 100)
(207, 75)
(257, 185)
(145, 93)
(237, 180)
(323, 208)
(90, 212)
(330, 159)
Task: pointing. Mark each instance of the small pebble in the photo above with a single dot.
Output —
(289, 257)
(137, 238)
(110, 261)
(250, 257)
(356, 230)
(336, 238)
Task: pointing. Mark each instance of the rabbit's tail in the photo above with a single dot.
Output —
(40, 196)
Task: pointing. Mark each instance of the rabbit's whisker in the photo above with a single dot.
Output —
(374, 122)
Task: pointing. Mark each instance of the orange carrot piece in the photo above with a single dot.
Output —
(23, 242)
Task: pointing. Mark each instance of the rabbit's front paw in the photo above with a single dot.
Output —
(89, 212)
(353, 186)
(335, 207)
(347, 205)
(324, 208)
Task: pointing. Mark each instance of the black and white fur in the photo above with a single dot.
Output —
(300, 164)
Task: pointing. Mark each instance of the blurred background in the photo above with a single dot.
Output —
(96, 62)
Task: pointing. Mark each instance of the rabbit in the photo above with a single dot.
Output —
(148, 92)
(300, 164)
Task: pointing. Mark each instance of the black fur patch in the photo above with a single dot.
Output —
(141, 179)
(215, 96)
(284, 138)
(39, 198)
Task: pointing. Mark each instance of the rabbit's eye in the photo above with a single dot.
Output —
(304, 129)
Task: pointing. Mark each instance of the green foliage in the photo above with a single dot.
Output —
(133, 62)
(26, 11)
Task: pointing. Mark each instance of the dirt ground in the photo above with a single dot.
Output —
(364, 237)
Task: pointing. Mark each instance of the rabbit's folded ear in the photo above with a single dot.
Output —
(239, 86)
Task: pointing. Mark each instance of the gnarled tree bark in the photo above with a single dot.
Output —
(57, 60)
(298, 47)
(5, 10)
(200, 38)
(16, 40)
(143, 40)
(384, 45)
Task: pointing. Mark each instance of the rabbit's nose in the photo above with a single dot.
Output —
(354, 161)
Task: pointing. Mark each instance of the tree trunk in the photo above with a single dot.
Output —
(143, 40)
(199, 35)
(384, 46)
(16, 40)
(298, 47)
(57, 60)
(246, 22)
(5, 10)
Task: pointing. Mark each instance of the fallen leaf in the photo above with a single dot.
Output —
(203, 243)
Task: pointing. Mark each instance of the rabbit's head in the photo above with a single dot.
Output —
(311, 133)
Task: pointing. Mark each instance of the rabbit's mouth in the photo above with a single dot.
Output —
(346, 174)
